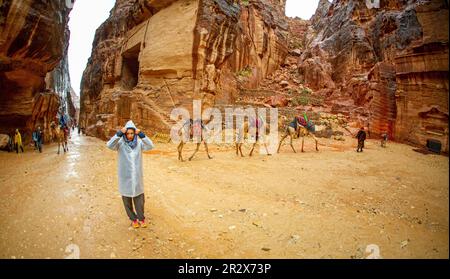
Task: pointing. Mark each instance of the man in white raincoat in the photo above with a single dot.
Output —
(131, 184)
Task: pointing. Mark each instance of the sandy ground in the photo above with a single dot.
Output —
(334, 203)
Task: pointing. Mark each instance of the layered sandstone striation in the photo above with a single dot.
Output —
(34, 76)
(384, 67)
(152, 56)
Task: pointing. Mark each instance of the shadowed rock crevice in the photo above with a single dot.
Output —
(130, 68)
(34, 75)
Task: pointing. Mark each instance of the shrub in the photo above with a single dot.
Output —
(246, 72)
(305, 98)
(306, 91)
(245, 2)
(301, 100)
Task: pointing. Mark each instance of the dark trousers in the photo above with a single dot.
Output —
(38, 146)
(138, 206)
(360, 146)
(17, 148)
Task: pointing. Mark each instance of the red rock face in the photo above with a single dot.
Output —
(255, 39)
(34, 78)
(152, 56)
(386, 68)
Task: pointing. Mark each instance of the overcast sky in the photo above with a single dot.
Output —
(87, 15)
(301, 8)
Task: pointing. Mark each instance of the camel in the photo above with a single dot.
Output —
(192, 129)
(295, 128)
(245, 128)
(60, 135)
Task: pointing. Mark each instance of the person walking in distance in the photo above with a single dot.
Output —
(361, 136)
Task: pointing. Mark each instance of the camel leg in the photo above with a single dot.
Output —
(317, 142)
(251, 151)
(58, 147)
(181, 133)
(263, 139)
(180, 151)
(281, 141)
(240, 150)
(290, 142)
(207, 151)
(303, 141)
(239, 143)
(195, 152)
(267, 149)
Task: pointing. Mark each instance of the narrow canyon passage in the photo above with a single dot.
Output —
(348, 72)
(330, 204)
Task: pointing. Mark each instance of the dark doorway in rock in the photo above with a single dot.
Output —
(130, 67)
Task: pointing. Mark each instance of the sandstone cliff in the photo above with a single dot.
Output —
(385, 68)
(152, 56)
(34, 77)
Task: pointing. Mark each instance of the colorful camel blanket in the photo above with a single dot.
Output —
(308, 124)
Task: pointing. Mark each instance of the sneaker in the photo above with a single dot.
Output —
(135, 224)
(143, 224)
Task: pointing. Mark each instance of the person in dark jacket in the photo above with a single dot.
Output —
(11, 143)
(38, 138)
(384, 139)
(361, 136)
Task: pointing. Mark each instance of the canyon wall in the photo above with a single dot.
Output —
(34, 77)
(384, 67)
(152, 56)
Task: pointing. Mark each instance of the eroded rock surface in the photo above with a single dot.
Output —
(385, 68)
(152, 56)
(34, 77)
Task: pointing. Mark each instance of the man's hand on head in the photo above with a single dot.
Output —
(138, 131)
(123, 130)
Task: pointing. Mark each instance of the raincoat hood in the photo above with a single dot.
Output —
(130, 125)
(130, 143)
